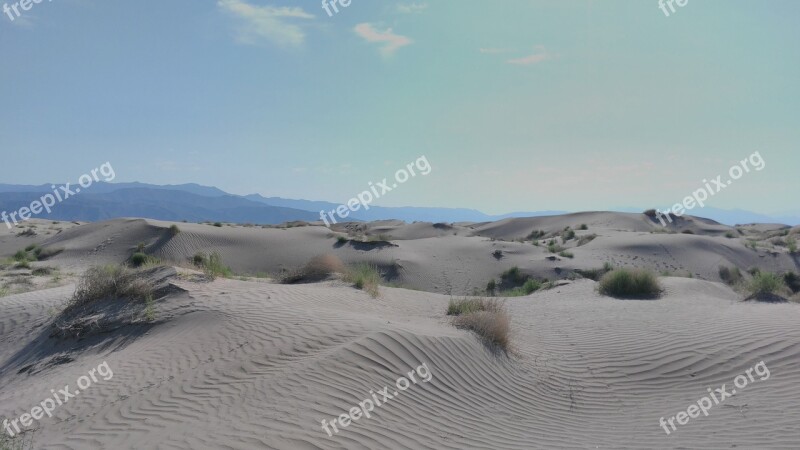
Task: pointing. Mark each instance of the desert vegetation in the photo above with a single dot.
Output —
(630, 283)
(364, 276)
(485, 317)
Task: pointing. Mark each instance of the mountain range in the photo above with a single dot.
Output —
(198, 203)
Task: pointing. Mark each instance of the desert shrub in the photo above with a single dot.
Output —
(21, 256)
(46, 253)
(791, 243)
(627, 283)
(528, 288)
(566, 254)
(583, 227)
(595, 274)
(218, 224)
(730, 276)
(766, 283)
(341, 240)
(552, 247)
(471, 305)
(109, 282)
(753, 271)
(497, 254)
(650, 213)
(364, 276)
(174, 230)
(24, 264)
(486, 318)
(142, 259)
(42, 271)
(730, 235)
(687, 232)
(583, 240)
(491, 286)
(199, 259)
(213, 267)
(30, 248)
(535, 234)
(28, 232)
(513, 276)
(567, 235)
(318, 268)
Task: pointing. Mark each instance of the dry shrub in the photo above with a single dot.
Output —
(109, 282)
(366, 277)
(318, 268)
(485, 317)
(493, 327)
(627, 283)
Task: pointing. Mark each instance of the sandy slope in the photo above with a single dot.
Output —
(254, 364)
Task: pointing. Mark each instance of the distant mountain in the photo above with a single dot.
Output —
(198, 203)
(161, 204)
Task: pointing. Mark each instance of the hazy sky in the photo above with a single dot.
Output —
(518, 105)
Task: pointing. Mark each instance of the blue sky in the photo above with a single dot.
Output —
(518, 105)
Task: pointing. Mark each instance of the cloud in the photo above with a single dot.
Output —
(536, 58)
(266, 22)
(390, 40)
(411, 8)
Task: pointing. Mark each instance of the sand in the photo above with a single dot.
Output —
(247, 364)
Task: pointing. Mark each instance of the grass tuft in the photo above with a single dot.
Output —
(364, 276)
(627, 283)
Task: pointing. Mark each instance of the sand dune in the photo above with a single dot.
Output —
(254, 364)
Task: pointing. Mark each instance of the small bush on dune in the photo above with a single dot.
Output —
(791, 243)
(583, 227)
(528, 288)
(626, 283)
(318, 268)
(583, 240)
(142, 259)
(214, 267)
(366, 277)
(792, 280)
(766, 283)
(109, 282)
(174, 230)
(485, 317)
(566, 254)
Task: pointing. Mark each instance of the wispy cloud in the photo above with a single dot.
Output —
(541, 55)
(266, 22)
(411, 8)
(391, 42)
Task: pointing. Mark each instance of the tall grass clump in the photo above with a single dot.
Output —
(630, 283)
(213, 267)
(109, 282)
(174, 230)
(766, 283)
(485, 317)
(364, 276)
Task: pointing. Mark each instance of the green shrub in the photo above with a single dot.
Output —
(568, 234)
(30, 248)
(139, 259)
(471, 305)
(213, 267)
(491, 286)
(174, 230)
(791, 243)
(200, 259)
(554, 248)
(21, 256)
(730, 235)
(364, 276)
(792, 280)
(583, 227)
(766, 283)
(535, 234)
(218, 224)
(528, 288)
(566, 254)
(627, 283)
